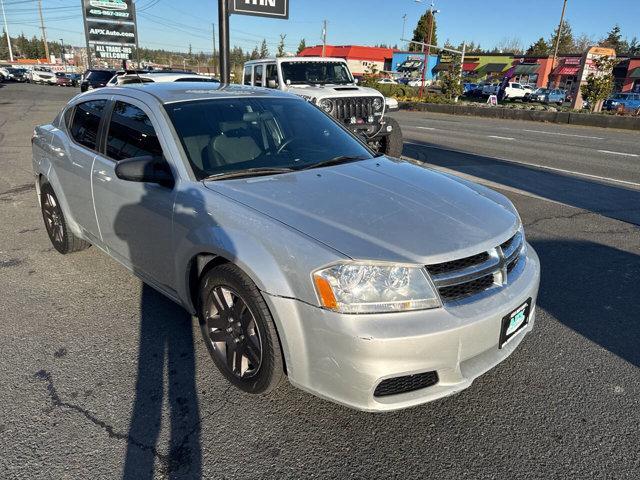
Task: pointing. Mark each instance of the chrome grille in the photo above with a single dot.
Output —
(465, 277)
(347, 107)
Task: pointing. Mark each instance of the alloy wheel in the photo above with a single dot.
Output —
(53, 218)
(230, 328)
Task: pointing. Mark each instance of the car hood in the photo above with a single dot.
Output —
(382, 209)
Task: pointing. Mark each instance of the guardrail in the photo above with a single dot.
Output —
(570, 118)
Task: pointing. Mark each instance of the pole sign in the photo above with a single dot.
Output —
(260, 8)
(110, 28)
(588, 67)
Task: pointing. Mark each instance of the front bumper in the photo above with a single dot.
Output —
(344, 357)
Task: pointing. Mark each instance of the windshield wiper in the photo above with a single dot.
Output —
(334, 161)
(249, 172)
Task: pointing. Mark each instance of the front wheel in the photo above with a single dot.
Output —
(239, 331)
(392, 143)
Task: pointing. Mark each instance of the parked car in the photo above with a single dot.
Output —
(387, 81)
(62, 80)
(76, 78)
(490, 89)
(477, 92)
(370, 281)
(95, 79)
(417, 82)
(514, 91)
(538, 95)
(42, 75)
(467, 88)
(328, 84)
(13, 74)
(555, 96)
(629, 102)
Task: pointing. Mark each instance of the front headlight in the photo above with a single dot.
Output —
(377, 104)
(326, 105)
(359, 287)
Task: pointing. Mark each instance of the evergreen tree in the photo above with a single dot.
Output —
(255, 54)
(4, 47)
(614, 40)
(634, 47)
(566, 44)
(281, 51)
(540, 47)
(264, 50)
(421, 32)
(301, 46)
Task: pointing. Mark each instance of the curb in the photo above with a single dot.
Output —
(570, 118)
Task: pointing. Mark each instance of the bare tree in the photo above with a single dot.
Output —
(510, 45)
(583, 42)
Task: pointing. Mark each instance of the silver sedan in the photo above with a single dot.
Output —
(370, 281)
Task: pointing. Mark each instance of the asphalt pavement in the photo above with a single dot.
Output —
(102, 378)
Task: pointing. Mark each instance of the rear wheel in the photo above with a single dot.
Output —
(62, 239)
(239, 331)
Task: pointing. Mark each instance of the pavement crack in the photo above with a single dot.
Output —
(178, 457)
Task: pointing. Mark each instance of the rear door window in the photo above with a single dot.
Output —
(257, 76)
(86, 121)
(131, 133)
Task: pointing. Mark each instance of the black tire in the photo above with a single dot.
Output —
(227, 292)
(62, 239)
(392, 144)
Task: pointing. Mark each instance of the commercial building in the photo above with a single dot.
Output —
(361, 60)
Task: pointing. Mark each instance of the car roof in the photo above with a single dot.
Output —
(170, 92)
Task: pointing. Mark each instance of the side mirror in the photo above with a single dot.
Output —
(145, 169)
(356, 81)
(272, 84)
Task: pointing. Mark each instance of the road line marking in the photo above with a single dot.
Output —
(527, 164)
(420, 128)
(500, 138)
(619, 153)
(563, 134)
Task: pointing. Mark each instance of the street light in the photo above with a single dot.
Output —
(6, 31)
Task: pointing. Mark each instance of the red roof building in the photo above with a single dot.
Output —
(360, 59)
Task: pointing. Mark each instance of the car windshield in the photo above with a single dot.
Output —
(237, 134)
(315, 73)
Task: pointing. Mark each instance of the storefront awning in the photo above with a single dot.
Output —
(526, 69)
(494, 67)
(469, 67)
(442, 67)
(635, 73)
(567, 70)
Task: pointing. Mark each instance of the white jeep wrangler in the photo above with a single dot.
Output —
(328, 83)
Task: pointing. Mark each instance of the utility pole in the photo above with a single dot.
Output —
(555, 50)
(44, 33)
(6, 31)
(432, 16)
(213, 39)
(324, 38)
(223, 28)
(64, 62)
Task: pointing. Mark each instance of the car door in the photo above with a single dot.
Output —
(77, 152)
(135, 218)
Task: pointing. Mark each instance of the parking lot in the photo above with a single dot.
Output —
(102, 377)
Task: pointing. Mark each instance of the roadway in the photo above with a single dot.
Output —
(102, 378)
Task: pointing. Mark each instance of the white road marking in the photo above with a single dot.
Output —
(527, 164)
(619, 153)
(419, 128)
(501, 138)
(562, 134)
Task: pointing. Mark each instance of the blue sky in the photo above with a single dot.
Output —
(173, 25)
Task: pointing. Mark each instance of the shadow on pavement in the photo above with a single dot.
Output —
(593, 289)
(612, 201)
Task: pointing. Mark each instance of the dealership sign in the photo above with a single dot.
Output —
(261, 8)
(110, 28)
